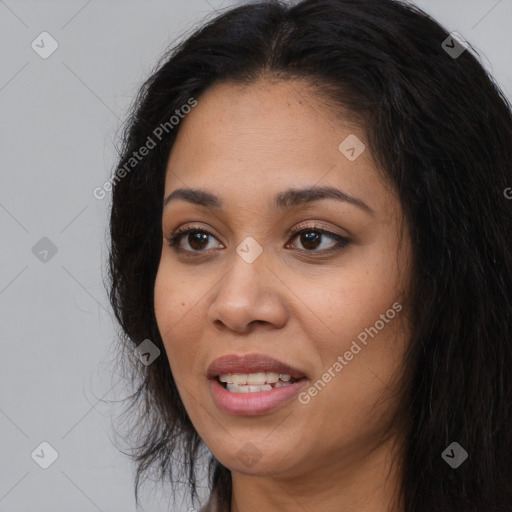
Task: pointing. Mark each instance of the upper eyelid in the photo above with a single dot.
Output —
(293, 231)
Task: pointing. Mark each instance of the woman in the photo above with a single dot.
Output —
(309, 223)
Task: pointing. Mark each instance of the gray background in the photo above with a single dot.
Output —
(60, 118)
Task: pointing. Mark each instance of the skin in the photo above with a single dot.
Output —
(245, 144)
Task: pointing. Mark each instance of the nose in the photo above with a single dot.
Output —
(249, 294)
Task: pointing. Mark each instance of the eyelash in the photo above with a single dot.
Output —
(174, 239)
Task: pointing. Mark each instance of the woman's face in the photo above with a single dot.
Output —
(327, 305)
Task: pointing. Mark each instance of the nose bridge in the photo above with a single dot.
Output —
(247, 268)
(246, 293)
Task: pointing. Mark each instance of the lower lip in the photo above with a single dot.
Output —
(251, 404)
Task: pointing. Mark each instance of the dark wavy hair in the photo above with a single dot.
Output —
(440, 130)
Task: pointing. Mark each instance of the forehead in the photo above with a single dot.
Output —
(261, 138)
(281, 114)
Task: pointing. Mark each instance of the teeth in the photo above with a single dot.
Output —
(255, 382)
(235, 388)
(254, 379)
(257, 389)
(272, 377)
(240, 379)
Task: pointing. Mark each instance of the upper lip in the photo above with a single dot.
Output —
(251, 363)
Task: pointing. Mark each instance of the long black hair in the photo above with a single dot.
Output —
(440, 130)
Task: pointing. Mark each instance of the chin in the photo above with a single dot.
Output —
(251, 458)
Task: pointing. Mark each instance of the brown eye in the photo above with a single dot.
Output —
(197, 239)
(311, 239)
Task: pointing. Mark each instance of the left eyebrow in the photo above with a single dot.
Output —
(290, 198)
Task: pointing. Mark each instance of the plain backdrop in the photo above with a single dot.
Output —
(60, 118)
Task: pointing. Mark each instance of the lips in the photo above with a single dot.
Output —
(251, 363)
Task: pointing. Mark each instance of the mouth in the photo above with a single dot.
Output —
(255, 382)
(253, 370)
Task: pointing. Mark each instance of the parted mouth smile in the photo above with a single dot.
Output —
(255, 382)
(252, 384)
(251, 365)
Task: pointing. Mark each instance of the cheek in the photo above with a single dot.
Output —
(174, 313)
(347, 322)
(175, 297)
(340, 306)
(166, 301)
